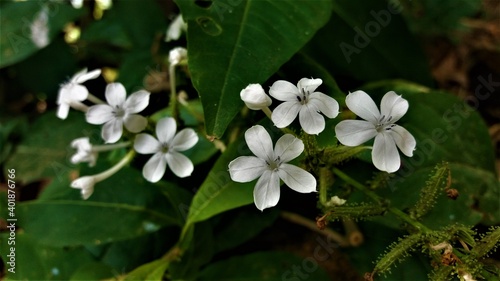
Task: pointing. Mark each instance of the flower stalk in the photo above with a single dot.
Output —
(400, 214)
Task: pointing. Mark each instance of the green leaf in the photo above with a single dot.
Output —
(446, 129)
(219, 193)
(369, 40)
(232, 44)
(66, 223)
(34, 261)
(240, 225)
(152, 271)
(92, 271)
(264, 266)
(45, 150)
(16, 42)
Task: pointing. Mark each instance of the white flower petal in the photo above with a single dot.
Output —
(137, 101)
(288, 147)
(146, 144)
(99, 114)
(83, 76)
(165, 129)
(246, 168)
(115, 94)
(385, 155)
(254, 97)
(155, 168)
(135, 123)
(74, 92)
(259, 142)
(266, 193)
(112, 130)
(297, 179)
(311, 121)
(62, 111)
(354, 132)
(326, 104)
(363, 105)
(393, 106)
(175, 28)
(309, 85)
(284, 114)
(404, 140)
(179, 164)
(284, 91)
(184, 140)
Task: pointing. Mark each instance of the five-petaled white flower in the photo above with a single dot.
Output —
(378, 124)
(119, 112)
(304, 101)
(84, 152)
(254, 97)
(73, 93)
(270, 166)
(166, 150)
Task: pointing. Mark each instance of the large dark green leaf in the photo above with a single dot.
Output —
(367, 41)
(34, 261)
(45, 151)
(232, 44)
(16, 19)
(264, 266)
(64, 223)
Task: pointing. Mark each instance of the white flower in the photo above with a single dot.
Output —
(73, 93)
(119, 112)
(254, 97)
(380, 125)
(175, 29)
(86, 184)
(270, 166)
(177, 55)
(304, 101)
(166, 150)
(84, 152)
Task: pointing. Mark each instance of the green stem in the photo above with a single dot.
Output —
(400, 214)
(323, 185)
(173, 94)
(108, 147)
(95, 99)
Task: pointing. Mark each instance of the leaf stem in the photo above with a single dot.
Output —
(395, 211)
(173, 93)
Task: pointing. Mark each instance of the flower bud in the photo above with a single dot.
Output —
(86, 184)
(254, 97)
(177, 55)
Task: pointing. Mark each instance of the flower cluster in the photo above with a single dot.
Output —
(304, 101)
(117, 113)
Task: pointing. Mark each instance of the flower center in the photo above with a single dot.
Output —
(303, 96)
(274, 165)
(119, 112)
(384, 124)
(164, 148)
